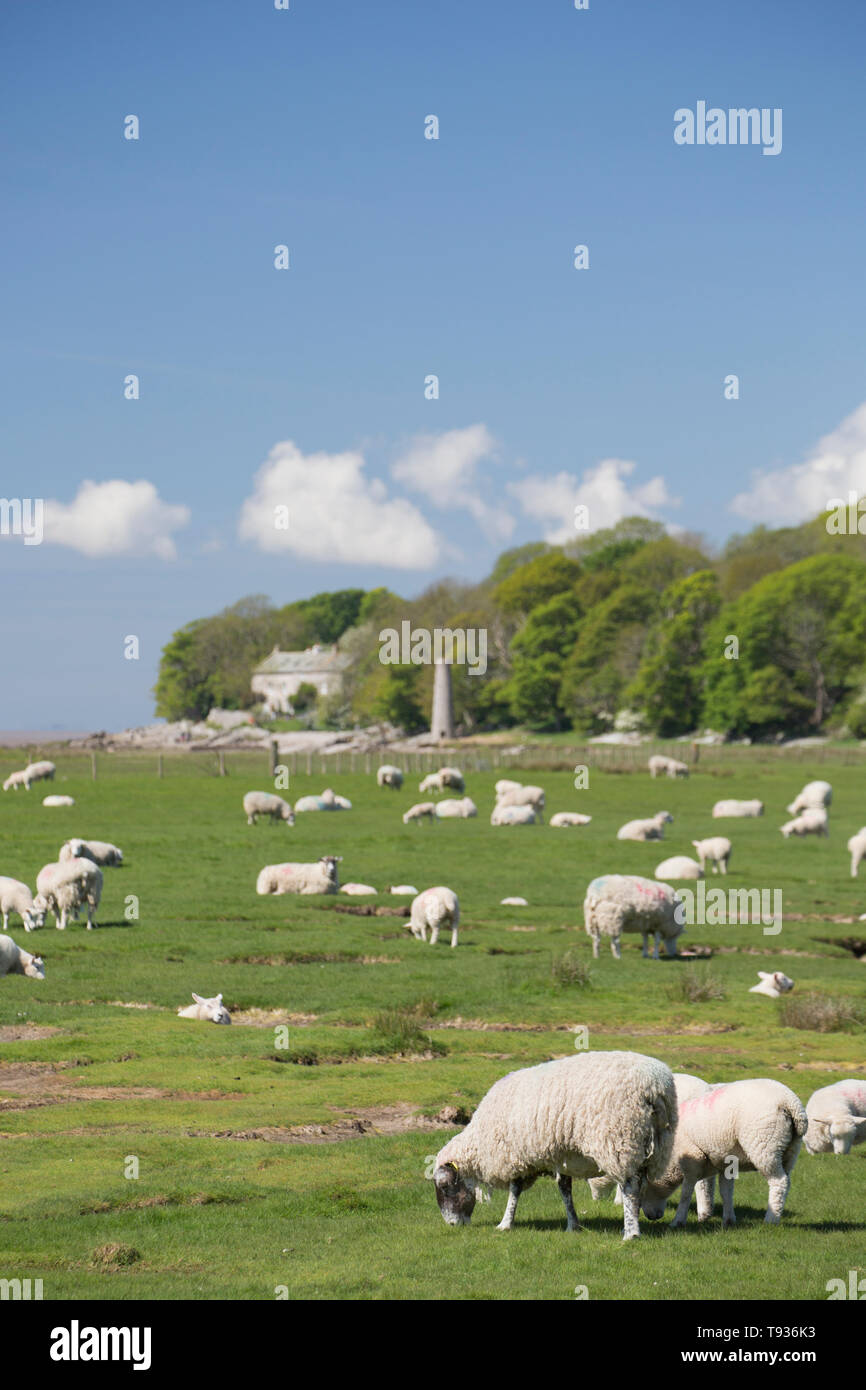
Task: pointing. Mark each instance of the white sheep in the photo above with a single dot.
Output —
(513, 815)
(524, 796)
(446, 777)
(64, 889)
(837, 1118)
(671, 767)
(16, 780)
(39, 772)
(99, 851)
(679, 866)
(435, 908)
(422, 810)
(404, 890)
(617, 903)
(267, 804)
(358, 890)
(651, 829)
(815, 795)
(15, 896)
(737, 808)
(716, 850)
(207, 1010)
(321, 877)
(563, 819)
(58, 801)
(809, 822)
(758, 1123)
(389, 776)
(513, 902)
(463, 809)
(774, 984)
(328, 801)
(504, 785)
(857, 849)
(15, 961)
(610, 1113)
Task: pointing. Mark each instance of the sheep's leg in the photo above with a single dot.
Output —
(778, 1186)
(434, 934)
(6, 922)
(726, 1187)
(616, 948)
(670, 948)
(658, 937)
(595, 945)
(514, 1190)
(682, 1210)
(645, 951)
(599, 1187)
(60, 922)
(454, 937)
(705, 1192)
(563, 1182)
(630, 1208)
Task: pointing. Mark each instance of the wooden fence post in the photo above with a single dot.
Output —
(159, 772)
(93, 766)
(273, 758)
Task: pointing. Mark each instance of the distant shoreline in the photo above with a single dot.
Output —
(21, 738)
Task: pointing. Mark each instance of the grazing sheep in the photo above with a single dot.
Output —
(737, 808)
(759, 1123)
(267, 804)
(814, 796)
(773, 984)
(321, 877)
(422, 810)
(64, 889)
(15, 896)
(671, 767)
(610, 1113)
(652, 829)
(39, 772)
(809, 822)
(513, 815)
(446, 777)
(513, 902)
(58, 801)
(404, 889)
(14, 961)
(837, 1118)
(504, 785)
(207, 1010)
(679, 866)
(716, 850)
(524, 796)
(99, 851)
(435, 908)
(389, 776)
(568, 818)
(463, 809)
(358, 890)
(16, 780)
(618, 903)
(857, 849)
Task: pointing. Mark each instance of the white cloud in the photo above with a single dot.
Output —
(603, 490)
(444, 468)
(793, 494)
(335, 513)
(115, 518)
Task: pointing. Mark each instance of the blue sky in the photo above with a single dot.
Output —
(408, 257)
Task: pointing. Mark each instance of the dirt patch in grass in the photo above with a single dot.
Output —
(520, 928)
(400, 1118)
(130, 1004)
(311, 958)
(35, 1084)
(158, 1199)
(364, 909)
(270, 1018)
(26, 1032)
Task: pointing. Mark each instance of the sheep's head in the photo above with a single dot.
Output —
(35, 968)
(217, 1012)
(653, 1200)
(329, 863)
(822, 1136)
(35, 916)
(455, 1195)
(776, 981)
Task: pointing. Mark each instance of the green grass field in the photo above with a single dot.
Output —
(269, 1171)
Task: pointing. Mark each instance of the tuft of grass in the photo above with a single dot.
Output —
(401, 1029)
(821, 1013)
(115, 1256)
(571, 970)
(697, 984)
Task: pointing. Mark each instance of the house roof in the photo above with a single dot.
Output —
(291, 663)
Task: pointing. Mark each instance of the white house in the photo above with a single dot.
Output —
(277, 677)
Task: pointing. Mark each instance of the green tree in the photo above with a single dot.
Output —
(668, 688)
(536, 582)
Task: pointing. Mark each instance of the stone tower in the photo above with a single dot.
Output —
(442, 721)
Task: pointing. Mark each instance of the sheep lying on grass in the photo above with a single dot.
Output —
(435, 908)
(99, 851)
(328, 801)
(610, 1113)
(267, 804)
(737, 808)
(446, 777)
(404, 890)
(670, 767)
(815, 795)
(389, 776)
(358, 890)
(759, 1123)
(64, 889)
(15, 896)
(451, 809)
(513, 815)
(321, 877)
(837, 1118)
(564, 819)
(422, 810)
(58, 801)
(809, 822)
(15, 961)
(513, 902)
(618, 903)
(650, 829)
(716, 851)
(857, 849)
(207, 1010)
(773, 984)
(523, 796)
(679, 866)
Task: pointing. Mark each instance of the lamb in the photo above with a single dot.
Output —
(618, 903)
(435, 908)
(404, 889)
(267, 804)
(58, 801)
(207, 1010)
(679, 866)
(737, 808)
(837, 1118)
(671, 767)
(422, 810)
(857, 849)
(15, 896)
(462, 809)
(809, 822)
(504, 785)
(358, 890)
(773, 984)
(328, 801)
(65, 888)
(389, 776)
(99, 851)
(524, 796)
(563, 819)
(759, 1123)
(321, 877)
(446, 777)
(814, 796)
(513, 902)
(513, 815)
(652, 829)
(716, 850)
(16, 780)
(14, 961)
(611, 1113)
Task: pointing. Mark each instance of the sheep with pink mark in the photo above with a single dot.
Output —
(321, 877)
(617, 903)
